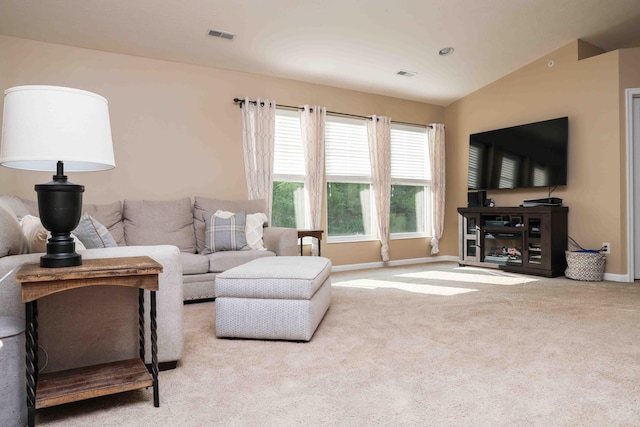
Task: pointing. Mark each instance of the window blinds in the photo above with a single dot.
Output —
(288, 162)
(347, 150)
(409, 154)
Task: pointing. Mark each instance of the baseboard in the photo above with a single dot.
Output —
(395, 263)
(351, 267)
(617, 277)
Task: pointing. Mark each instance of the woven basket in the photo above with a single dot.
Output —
(587, 266)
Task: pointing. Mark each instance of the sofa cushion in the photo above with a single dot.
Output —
(194, 263)
(109, 215)
(204, 204)
(93, 234)
(12, 240)
(159, 222)
(222, 261)
(14, 205)
(224, 234)
(283, 277)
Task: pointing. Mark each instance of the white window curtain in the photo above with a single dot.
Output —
(379, 133)
(312, 125)
(435, 138)
(258, 136)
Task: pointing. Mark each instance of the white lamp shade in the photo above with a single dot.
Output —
(45, 124)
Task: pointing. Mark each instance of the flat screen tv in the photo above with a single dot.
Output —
(525, 156)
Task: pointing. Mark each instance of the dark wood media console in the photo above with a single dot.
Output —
(530, 240)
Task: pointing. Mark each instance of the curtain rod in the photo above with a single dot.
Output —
(334, 113)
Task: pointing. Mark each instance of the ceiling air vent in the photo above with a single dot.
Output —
(222, 34)
(406, 73)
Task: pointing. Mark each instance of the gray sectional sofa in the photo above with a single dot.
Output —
(178, 223)
(86, 326)
(77, 327)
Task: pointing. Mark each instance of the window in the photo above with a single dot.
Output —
(410, 182)
(349, 195)
(288, 205)
(348, 174)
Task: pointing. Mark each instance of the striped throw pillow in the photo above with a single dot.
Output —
(224, 234)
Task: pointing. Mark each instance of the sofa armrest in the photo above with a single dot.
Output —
(11, 291)
(99, 324)
(281, 240)
(169, 300)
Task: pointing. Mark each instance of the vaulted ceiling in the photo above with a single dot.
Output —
(356, 44)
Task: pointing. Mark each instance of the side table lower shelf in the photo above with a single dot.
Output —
(62, 387)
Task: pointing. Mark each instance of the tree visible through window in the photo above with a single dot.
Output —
(285, 195)
(407, 205)
(345, 202)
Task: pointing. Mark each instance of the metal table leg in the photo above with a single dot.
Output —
(154, 351)
(32, 360)
(141, 323)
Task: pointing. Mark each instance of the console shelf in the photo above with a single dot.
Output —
(530, 240)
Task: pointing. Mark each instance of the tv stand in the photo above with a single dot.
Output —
(530, 240)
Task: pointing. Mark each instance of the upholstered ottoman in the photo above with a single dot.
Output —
(279, 298)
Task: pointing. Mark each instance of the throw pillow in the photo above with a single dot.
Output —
(224, 234)
(205, 204)
(253, 230)
(109, 215)
(37, 236)
(93, 234)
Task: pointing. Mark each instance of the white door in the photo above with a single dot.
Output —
(635, 127)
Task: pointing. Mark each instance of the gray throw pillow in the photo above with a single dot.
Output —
(92, 234)
(224, 234)
(205, 204)
(109, 215)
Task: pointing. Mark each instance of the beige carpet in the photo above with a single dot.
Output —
(432, 344)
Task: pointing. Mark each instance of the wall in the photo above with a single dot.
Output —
(176, 131)
(589, 92)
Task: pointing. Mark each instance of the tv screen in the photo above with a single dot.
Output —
(525, 156)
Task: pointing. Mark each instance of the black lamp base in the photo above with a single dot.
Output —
(69, 260)
(60, 253)
(60, 207)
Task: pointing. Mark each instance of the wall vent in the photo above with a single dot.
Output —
(406, 73)
(222, 34)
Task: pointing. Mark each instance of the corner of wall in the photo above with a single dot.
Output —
(587, 50)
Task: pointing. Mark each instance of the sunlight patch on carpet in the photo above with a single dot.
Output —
(403, 286)
(470, 277)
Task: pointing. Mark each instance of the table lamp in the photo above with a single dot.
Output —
(53, 129)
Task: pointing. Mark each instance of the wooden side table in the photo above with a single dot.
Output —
(311, 233)
(99, 380)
